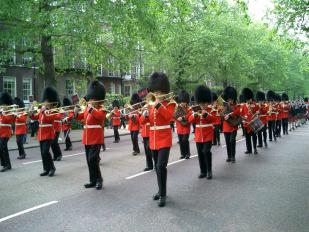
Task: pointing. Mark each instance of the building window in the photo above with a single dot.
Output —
(27, 88)
(9, 85)
(113, 88)
(27, 58)
(110, 66)
(127, 90)
(69, 87)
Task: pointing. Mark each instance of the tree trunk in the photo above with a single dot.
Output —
(48, 61)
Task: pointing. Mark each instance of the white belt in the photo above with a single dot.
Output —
(20, 124)
(116, 117)
(263, 115)
(57, 121)
(45, 125)
(203, 125)
(147, 124)
(160, 127)
(92, 126)
(1, 124)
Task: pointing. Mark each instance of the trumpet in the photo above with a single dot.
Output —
(137, 107)
(151, 98)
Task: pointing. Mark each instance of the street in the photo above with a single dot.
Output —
(264, 192)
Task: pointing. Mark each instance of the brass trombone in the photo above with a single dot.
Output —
(151, 98)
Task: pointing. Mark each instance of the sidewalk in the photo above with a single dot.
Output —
(75, 135)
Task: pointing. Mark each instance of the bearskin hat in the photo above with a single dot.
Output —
(192, 99)
(158, 81)
(305, 99)
(278, 97)
(230, 93)
(96, 91)
(241, 99)
(50, 95)
(135, 99)
(19, 102)
(66, 101)
(271, 95)
(6, 99)
(183, 97)
(202, 94)
(247, 93)
(116, 103)
(214, 96)
(285, 97)
(260, 96)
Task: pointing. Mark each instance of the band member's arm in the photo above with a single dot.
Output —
(167, 112)
(97, 114)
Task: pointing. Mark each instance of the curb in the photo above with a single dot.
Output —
(75, 141)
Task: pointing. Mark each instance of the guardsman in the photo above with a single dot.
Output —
(46, 133)
(115, 117)
(6, 120)
(145, 129)
(262, 134)
(93, 135)
(160, 113)
(217, 123)
(55, 147)
(285, 113)
(66, 125)
(204, 130)
(20, 128)
(182, 124)
(250, 110)
(134, 126)
(272, 115)
(279, 115)
(231, 111)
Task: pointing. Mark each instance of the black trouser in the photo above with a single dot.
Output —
(134, 138)
(272, 130)
(123, 123)
(184, 145)
(278, 128)
(216, 134)
(250, 135)
(20, 144)
(68, 142)
(55, 146)
(193, 125)
(161, 159)
(34, 128)
(204, 157)
(172, 124)
(285, 125)
(47, 159)
(116, 133)
(149, 162)
(243, 129)
(230, 140)
(4, 153)
(262, 136)
(93, 160)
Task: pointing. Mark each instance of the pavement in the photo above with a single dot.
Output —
(264, 192)
(75, 135)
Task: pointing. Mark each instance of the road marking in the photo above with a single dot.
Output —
(27, 211)
(36, 161)
(237, 141)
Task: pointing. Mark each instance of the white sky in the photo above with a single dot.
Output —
(258, 8)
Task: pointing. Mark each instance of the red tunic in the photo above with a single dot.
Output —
(145, 126)
(66, 125)
(5, 125)
(57, 123)
(272, 115)
(20, 124)
(181, 128)
(46, 130)
(115, 117)
(160, 131)
(280, 111)
(204, 130)
(133, 122)
(93, 126)
(227, 128)
(217, 115)
(249, 112)
(263, 113)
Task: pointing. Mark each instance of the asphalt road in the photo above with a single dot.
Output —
(264, 192)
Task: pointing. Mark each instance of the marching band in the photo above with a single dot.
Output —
(261, 116)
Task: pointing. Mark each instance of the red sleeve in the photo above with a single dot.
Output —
(167, 112)
(98, 114)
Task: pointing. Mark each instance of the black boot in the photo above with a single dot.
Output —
(162, 201)
(156, 197)
(4, 169)
(52, 172)
(90, 185)
(45, 173)
(99, 185)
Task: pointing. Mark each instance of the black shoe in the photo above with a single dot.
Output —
(162, 201)
(209, 175)
(233, 160)
(55, 159)
(219, 144)
(116, 141)
(4, 169)
(248, 152)
(21, 157)
(45, 173)
(259, 146)
(52, 172)
(265, 144)
(147, 169)
(99, 185)
(255, 152)
(187, 157)
(68, 149)
(228, 160)
(270, 140)
(181, 157)
(201, 176)
(59, 158)
(90, 185)
(156, 197)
